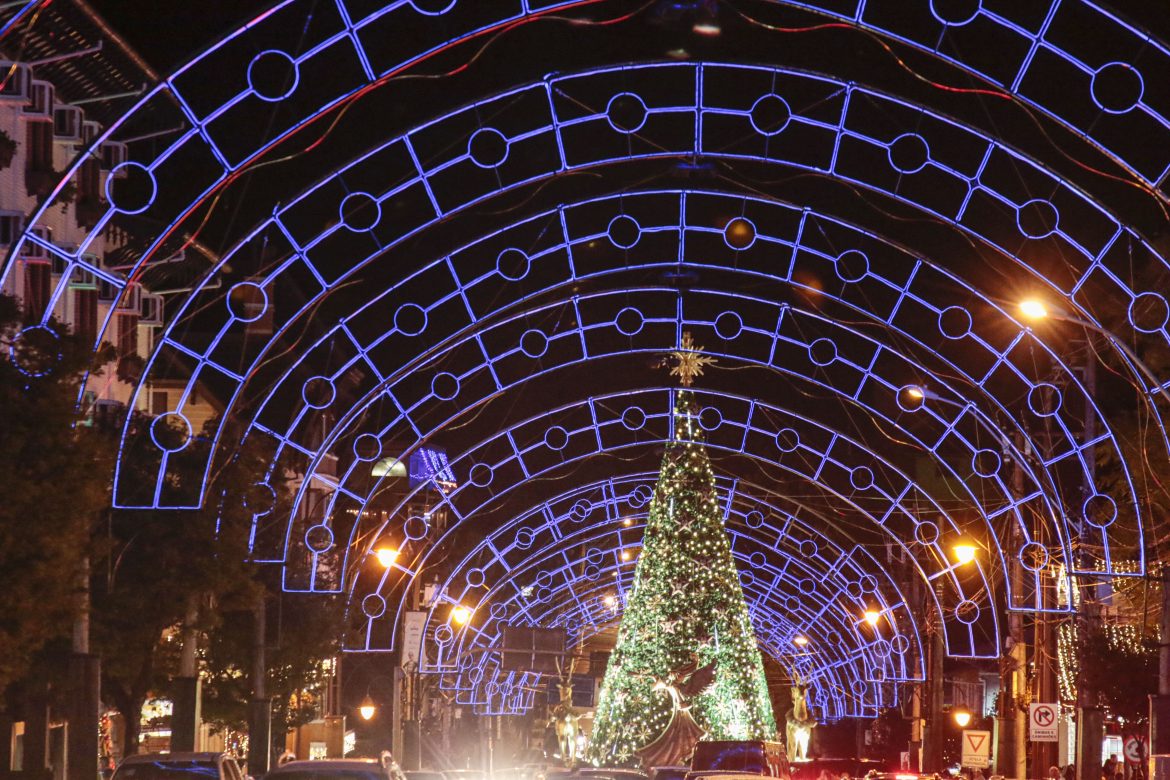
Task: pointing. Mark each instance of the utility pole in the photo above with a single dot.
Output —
(85, 675)
(1160, 703)
(186, 694)
(1090, 720)
(260, 715)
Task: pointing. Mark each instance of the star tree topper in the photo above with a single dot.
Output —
(689, 360)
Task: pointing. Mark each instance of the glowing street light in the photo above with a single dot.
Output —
(1033, 308)
(367, 708)
(610, 601)
(962, 718)
(915, 392)
(386, 556)
(964, 552)
(460, 615)
(872, 616)
(800, 641)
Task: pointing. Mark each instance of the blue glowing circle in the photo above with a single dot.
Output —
(444, 635)
(852, 265)
(35, 350)
(170, 432)
(513, 264)
(633, 419)
(954, 322)
(445, 386)
(1117, 87)
(967, 612)
(626, 112)
(728, 325)
(544, 595)
(900, 643)
(415, 528)
(955, 13)
(525, 537)
(859, 687)
(273, 75)
(877, 674)
(410, 319)
(808, 548)
(926, 532)
(739, 234)
(1034, 556)
(480, 475)
(746, 578)
(869, 583)
(640, 496)
(318, 392)
(1044, 399)
(131, 188)
(1148, 312)
(534, 343)
(580, 509)
(595, 556)
(498, 611)
(853, 589)
(787, 440)
(881, 648)
(367, 447)
(986, 463)
(1037, 218)
(806, 586)
(753, 519)
(822, 352)
(1100, 510)
(432, 7)
(246, 301)
(474, 577)
(487, 148)
(374, 606)
(543, 579)
(260, 498)
(908, 153)
(770, 114)
(910, 398)
(792, 604)
(556, 438)
(629, 321)
(319, 538)
(623, 231)
(359, 212)
(757, 560)
(710, 418)
(491, 689)
(861, 478)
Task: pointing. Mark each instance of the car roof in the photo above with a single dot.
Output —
(150, 758)
(330, 763)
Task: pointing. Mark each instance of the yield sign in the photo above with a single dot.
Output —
(976, 749)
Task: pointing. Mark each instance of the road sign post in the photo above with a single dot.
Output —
(976, 749)
(1042, 722)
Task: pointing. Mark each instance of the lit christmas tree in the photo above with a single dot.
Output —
(686, 661)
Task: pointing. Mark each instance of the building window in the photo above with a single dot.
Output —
(11, 79)
(67, 122)
(158, 402)
(11, 226)
(127, 334)
(85, 316)
(89, 181)
(41, 99)
(39, 151)
(37, 286)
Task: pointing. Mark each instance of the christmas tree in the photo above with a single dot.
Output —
(686, 660)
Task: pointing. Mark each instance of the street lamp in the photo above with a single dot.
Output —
(1033, 309)
(962, 718)
(387, 556)
(872, 616)
(367, 708)
(460, 615)
(964, 552)
(800, 641)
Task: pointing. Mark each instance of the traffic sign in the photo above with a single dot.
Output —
(1042, 725)
(1135, 750)
(976, 749)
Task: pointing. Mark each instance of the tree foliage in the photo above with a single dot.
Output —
(54, 483)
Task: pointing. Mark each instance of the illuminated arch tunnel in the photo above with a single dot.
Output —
(496, 271)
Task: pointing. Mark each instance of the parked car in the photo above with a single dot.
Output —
(178, 766)
(836, 767)
(595, 773)
(339, 769)
(423, 774)
(669, 772)
(749, 757)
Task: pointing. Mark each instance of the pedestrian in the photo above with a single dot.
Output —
(1070, 772)
(977, 775)
(1109, 768)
